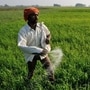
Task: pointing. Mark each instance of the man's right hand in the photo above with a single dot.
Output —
(44, 52)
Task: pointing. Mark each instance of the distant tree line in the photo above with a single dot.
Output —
(80, 5)
(77, 5)
(55, 5)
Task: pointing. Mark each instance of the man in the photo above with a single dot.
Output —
(34, 41)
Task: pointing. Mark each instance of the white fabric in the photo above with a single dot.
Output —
(33, 41)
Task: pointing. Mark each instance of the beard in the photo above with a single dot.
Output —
(33, 21)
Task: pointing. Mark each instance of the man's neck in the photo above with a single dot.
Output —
(33, 26)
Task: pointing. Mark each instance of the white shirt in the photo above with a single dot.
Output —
(33, 41)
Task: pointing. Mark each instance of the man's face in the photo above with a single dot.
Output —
(33, 18)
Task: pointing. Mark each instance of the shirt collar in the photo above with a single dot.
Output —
(28, 27)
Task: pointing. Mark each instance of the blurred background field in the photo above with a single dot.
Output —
(70, 30)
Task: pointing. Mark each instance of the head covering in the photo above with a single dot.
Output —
(29, 11)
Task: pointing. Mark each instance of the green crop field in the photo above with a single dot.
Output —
(70, 30)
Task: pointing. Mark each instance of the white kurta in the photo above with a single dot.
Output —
(33, 41)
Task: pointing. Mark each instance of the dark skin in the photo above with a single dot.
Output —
(32, 22)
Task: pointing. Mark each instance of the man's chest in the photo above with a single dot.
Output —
(34, 36)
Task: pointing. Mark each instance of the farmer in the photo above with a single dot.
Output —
(34, 41)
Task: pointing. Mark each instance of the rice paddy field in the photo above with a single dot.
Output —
(70, 30)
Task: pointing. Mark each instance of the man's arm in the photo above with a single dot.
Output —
(48, 37)
(29, 49)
